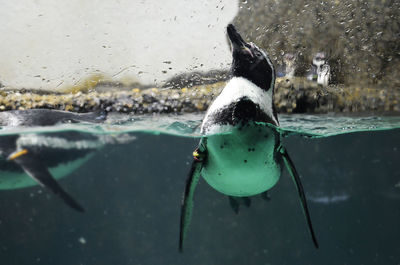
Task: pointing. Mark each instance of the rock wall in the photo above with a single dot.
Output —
(361, 38)
(291, 96)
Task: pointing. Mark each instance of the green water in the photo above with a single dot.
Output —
(132, 192)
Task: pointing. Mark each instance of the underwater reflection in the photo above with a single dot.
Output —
(33, 158)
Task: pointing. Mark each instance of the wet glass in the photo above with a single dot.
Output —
(101, 106)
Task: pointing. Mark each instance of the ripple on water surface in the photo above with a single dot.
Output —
(188, 125)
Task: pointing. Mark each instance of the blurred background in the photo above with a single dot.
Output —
(56, 44)
(360, 38)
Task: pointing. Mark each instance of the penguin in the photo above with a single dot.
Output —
(324, 75)
(46, 117)
(240, 153)
(40, 156)
(320, 69)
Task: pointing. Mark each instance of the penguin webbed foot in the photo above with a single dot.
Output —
(235, 202)
(265, 196)
(246, 201)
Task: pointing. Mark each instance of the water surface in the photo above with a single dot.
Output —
(188, 125)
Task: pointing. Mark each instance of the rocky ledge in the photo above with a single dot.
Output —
(291, 96)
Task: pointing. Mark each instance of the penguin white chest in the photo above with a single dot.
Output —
(243, 162)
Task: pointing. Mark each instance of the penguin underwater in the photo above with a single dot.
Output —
(40, 156)
(237, 155)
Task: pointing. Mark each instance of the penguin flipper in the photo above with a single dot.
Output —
(39, 172)
(187, 202)
(296, 179)
(235, 202)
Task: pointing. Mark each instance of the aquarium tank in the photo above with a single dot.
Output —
(151, 132)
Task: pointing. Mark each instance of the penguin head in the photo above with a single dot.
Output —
(319, 59)
(250, 62)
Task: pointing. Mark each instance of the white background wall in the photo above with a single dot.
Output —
(54, 44)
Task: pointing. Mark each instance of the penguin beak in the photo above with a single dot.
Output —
(238, 44)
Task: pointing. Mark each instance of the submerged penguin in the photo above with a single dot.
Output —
(238, 154)
(42, 156)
